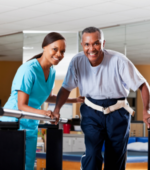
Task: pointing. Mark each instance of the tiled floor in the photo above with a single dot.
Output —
(71, 161)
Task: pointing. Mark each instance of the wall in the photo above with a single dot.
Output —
(7, 72)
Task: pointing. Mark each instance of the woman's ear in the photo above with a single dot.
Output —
(44, 48)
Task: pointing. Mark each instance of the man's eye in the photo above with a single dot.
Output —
(62, 52)
(86, 44)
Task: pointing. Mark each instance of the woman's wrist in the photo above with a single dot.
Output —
(43, 112)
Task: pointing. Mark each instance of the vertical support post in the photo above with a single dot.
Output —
(12, 149)
(54, 149)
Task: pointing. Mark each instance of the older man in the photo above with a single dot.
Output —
(104, 77)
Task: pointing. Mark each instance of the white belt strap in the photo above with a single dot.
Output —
(112, 108)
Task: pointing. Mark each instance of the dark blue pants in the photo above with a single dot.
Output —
(113, 128)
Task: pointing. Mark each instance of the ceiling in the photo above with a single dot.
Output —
(119, 20)
(69, 15)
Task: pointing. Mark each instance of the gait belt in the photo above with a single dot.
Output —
(120, 104)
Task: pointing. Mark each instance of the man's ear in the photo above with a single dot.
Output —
(103, 43)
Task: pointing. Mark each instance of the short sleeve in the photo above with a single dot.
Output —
(130, 75)
(53, 76)
(53, 85)
(71, 81)
(24, 80)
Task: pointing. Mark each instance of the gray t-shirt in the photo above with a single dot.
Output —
(112, 78)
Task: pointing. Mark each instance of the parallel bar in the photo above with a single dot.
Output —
(21, 114)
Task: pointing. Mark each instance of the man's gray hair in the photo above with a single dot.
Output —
(93, 29)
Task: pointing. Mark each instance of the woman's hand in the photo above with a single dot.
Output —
(52, 116)
(80, 99)
(47, 113)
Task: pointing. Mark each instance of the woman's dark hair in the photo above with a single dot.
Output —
(50, 38)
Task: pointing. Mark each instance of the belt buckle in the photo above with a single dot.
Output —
(103, 109)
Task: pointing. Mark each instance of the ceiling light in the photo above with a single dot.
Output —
(28, 48)
(30, 31)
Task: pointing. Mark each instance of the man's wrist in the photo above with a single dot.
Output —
(57, 109)
(74, 100)
(145, 111)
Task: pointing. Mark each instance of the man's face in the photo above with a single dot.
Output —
(92, 47)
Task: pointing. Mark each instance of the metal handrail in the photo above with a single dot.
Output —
(27, 115)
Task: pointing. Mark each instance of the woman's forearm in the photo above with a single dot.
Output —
(27, 108)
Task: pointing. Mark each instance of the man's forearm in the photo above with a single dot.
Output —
(145, 93)
(62, 97)
(53, 98)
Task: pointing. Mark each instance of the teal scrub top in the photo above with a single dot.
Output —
(31, 80)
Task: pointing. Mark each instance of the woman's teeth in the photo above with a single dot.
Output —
(55, 58)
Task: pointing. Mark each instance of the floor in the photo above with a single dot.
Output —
(130, 166)
(67, 165)
(74, 164)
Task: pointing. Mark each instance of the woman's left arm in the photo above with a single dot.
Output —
(52, 99)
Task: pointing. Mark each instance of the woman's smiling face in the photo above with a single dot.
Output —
(54, 52)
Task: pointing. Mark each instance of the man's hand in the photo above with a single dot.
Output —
(146, 116)
(80, 99)
(57, 116)
(62, 96)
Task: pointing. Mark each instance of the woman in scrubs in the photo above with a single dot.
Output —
(32, 85)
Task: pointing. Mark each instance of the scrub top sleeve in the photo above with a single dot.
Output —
(130, 75)
(24, 81)
(70, 81)
(53, 77)
(53, 85)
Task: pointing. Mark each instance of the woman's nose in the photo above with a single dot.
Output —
(59, 54)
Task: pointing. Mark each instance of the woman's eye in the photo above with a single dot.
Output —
(55, 49)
